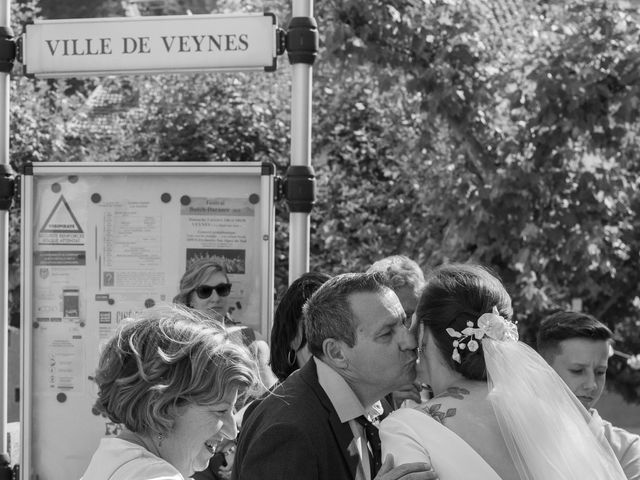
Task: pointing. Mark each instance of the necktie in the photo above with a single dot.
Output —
(373, 437)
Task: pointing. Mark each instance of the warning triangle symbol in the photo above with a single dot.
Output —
(61, 219)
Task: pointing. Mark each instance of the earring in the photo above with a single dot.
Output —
(291, 357)
(161, 437)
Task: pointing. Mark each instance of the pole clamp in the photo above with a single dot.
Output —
(302, 40)
(300, 188)
(7, 186)
(6, 472)
(7, 49)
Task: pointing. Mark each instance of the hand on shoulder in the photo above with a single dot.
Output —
(407, 471)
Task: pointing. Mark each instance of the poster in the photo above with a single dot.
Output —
(223, 230)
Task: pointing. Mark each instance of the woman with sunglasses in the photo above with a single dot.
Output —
(205, 287)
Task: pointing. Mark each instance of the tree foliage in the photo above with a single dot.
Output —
(539, 109)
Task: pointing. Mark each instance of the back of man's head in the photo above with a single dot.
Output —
(399, 271)
(328, 314)
(565, 325)
(404, 277)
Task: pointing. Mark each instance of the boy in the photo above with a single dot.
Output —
(578, 347)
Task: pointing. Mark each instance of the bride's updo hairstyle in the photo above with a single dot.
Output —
(455, 294)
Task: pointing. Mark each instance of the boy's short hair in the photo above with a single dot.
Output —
(564, 325)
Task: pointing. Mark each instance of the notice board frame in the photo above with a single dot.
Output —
(224, 184)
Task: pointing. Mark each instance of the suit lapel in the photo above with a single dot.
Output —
(341, 431)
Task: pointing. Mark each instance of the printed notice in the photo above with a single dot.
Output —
(58, 281)
(222, 223)
(61, 357)
(132, 235)
(224, 231)
(61, 226)
(131, 246)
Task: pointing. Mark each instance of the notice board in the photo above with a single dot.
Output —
(101, 241)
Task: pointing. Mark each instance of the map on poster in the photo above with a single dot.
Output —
(107, 244)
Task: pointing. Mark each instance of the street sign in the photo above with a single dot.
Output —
(166, 44)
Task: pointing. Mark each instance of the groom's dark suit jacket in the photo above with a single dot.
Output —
(295, 433)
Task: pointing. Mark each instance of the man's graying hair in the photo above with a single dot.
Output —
(327, 314)
(400, 271)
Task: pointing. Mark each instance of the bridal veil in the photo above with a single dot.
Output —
(545, 427)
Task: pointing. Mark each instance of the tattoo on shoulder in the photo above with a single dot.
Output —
(434, 412)
(455, 392)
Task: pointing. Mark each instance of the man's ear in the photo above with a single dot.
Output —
(334, 353)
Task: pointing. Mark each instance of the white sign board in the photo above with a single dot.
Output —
(167, 44)
(104, 240)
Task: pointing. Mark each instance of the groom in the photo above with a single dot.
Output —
(315, 426)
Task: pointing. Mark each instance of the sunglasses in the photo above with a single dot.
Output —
(222, 289)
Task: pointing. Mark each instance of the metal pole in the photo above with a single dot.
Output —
(5, 13)
(300, 149)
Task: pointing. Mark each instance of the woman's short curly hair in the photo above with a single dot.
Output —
(165, 358)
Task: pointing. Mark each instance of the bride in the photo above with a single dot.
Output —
(499, 411)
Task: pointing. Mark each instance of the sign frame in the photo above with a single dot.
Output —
(198, 171)
(153, 44)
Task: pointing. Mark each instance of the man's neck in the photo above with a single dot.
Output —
(349, 399)
(367, 394)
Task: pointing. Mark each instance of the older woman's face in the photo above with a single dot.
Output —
(197, 431)
(213, 302)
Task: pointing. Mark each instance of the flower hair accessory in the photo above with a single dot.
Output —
(491, 325)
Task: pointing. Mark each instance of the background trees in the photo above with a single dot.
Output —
(530, 116)
(499, 132)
